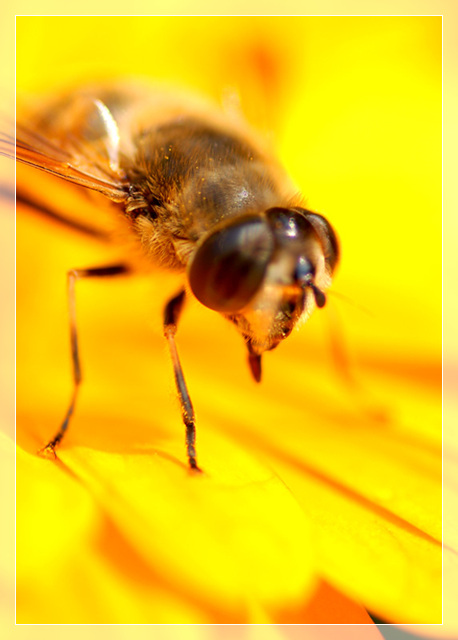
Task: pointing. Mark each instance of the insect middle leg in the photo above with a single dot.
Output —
(172, 313)
(73, 275)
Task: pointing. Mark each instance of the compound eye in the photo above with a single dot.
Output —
(327, 237)
(228, 268)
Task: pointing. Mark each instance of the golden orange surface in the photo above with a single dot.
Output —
(321, 496)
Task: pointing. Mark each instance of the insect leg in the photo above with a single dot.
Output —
(22, 198)
(72, 276)
(172, 313)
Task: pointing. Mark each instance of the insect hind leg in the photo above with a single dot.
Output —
(49, 450)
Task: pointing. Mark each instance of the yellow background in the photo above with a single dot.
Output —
(356, 117)
(358, 102)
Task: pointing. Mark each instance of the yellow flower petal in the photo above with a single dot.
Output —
(364, 468)
(232, 535)
(68, 551)
(374, 497)
(229, 537)
(327, 606)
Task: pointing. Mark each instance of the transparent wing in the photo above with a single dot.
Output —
(85, 153)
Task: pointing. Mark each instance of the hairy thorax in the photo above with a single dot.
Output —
(186, 178)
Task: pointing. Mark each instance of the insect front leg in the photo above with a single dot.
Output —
(49, 451)
(172, 313)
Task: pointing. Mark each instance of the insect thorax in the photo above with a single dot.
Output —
(185, 179)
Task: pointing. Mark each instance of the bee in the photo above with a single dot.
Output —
(198, 193)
